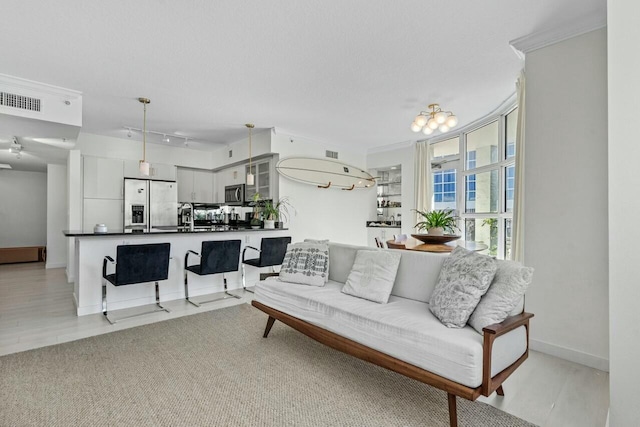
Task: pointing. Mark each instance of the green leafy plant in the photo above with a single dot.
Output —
(269, 211)
(282, 207)
(441, 218)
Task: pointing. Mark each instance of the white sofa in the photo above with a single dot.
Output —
(401, 335)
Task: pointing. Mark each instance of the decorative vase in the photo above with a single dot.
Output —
(255, 223)
(436, 231)
(269, 223)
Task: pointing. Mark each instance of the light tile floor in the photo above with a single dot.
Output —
(37, 310)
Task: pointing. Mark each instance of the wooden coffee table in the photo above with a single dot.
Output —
(416, 245)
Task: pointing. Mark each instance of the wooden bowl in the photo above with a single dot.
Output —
(430, 238)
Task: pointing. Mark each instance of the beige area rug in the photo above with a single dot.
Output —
(215, 369)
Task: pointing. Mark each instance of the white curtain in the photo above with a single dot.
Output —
(517, 231)
(424, 186)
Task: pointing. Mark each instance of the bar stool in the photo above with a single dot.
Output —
(220, 256)
(137, 264)
(272, 251)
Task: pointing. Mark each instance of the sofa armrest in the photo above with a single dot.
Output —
(491, 332)
(509, 324)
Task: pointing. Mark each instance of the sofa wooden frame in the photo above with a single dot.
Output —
(453, 389)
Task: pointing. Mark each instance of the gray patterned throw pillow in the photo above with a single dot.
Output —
(464, 278)
(509, 285)
(306, 263)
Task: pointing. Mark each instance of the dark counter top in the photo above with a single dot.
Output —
(166, 230)
(384, 224)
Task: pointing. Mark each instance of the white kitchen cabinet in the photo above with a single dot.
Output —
(157, 171)
(185, 185)
(203, 186)
(195, 185)
(103, 178)
(103, 211)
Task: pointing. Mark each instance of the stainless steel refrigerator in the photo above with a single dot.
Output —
(150, 205)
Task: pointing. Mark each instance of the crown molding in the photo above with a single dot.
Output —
(11, 82)
(535, 41)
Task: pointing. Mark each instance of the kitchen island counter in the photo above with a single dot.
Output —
(168, 230)
(91, 248)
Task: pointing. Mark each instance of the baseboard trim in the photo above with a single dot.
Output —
(569, 354)
(55, 265)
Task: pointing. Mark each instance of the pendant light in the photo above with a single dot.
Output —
(250, 176)
(144, 165)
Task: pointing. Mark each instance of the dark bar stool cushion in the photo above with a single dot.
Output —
(141, 263)
(273, 250)
(218, 257)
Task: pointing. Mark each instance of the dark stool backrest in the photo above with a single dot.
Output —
(272, 250)
(219, 256)
(142, 263)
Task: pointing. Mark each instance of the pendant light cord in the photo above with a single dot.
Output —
(144, 133)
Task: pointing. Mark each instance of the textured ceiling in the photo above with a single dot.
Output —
(351, 73)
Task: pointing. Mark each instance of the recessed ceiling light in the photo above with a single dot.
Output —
(5, 166)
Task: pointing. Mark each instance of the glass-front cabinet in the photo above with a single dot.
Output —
(389, 194)
(261, 172)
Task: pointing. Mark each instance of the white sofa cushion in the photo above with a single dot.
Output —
(402, 328)
(372, 275)
(504, 295)
(464, 278)
(306, 263)
(417, 273)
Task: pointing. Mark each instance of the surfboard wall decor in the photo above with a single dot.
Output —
(324, 173)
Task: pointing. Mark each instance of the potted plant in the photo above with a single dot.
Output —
(282, 207)
(270, 214)
(437, 222)
(256, 222)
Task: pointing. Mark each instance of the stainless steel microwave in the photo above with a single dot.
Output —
(234, 195)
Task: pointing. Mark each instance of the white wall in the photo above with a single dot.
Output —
(624, 207)
(74, 206)
(566, 229)
(260, 144)
(333, 214)
(56, 215)
(404, 156)
(23, 208)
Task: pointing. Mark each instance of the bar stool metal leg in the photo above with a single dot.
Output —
(244, 281)
(158, 300)
(104, 301)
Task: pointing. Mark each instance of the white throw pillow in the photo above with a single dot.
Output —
(509, 285)
(372, 275)
(465, 276)
(306, 263)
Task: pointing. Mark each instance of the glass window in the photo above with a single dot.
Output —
(507, 238)
(482, 192)
(483, 230)
(511, 125)
(510, 185)
(449, 147)
(484, 143)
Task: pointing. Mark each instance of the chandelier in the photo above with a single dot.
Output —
(429, 121)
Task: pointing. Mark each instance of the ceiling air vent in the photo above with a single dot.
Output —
(19, 101)
(331, 154)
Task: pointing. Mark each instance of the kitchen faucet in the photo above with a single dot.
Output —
(191, 219)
